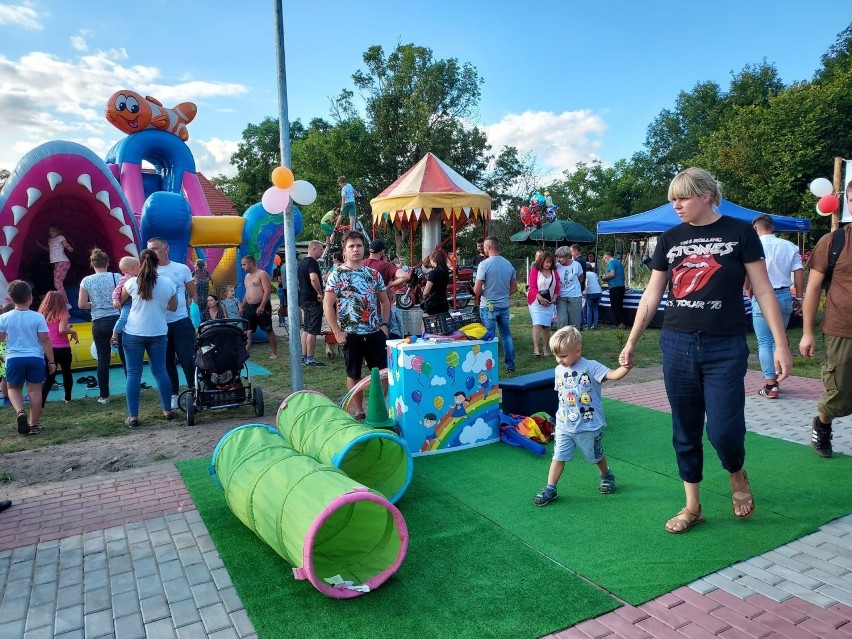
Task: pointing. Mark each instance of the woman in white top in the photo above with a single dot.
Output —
(146, 331)
(594, 291)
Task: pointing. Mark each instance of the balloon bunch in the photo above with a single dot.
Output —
(828, 202)
(540, 209)
(276, 198)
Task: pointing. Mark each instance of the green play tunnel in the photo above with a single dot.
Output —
(338, 534)
(316, 426)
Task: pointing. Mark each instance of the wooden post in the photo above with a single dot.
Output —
(838, 189)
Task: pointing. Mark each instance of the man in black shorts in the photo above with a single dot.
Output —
(257, 308)
(310, 301)
(357, 310)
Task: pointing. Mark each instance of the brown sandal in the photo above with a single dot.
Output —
(35, 429)
(742, 498)
(686, 519)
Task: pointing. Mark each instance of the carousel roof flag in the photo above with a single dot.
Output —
(428, 186)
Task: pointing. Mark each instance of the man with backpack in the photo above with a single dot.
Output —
(830, 261)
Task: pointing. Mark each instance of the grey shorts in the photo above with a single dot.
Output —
(590, 443)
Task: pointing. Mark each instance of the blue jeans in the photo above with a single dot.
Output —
(499, 318)
(593, 301)
(765, 341)
(123, 314)
(135, 347)
(704, 375)
(181, 343)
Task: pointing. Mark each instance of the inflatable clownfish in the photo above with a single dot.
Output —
(130, 113)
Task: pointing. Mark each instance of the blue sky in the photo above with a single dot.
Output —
(568, 81)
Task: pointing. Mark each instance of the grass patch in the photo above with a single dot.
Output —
(463, 577)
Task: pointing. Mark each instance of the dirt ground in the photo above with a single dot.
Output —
(147, 447)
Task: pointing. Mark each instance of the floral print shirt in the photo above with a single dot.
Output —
(357, 298)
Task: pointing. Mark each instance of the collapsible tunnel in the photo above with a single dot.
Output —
(342, 537)
(377, 458)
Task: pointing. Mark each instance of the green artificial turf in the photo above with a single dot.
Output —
(617, 541)
(463, 577)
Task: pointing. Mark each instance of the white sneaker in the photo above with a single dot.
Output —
(103, 400)
(174, 402)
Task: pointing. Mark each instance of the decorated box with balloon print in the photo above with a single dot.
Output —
(444, 396)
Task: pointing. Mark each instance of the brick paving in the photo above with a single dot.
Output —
(129, 557)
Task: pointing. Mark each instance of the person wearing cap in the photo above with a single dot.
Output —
(390, 272)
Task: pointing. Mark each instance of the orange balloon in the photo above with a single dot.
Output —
(277, 260)
(282, 177)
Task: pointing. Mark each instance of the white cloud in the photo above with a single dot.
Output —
(45, 97)
(437, 380)
(476, 432)
(22, 16)
(558, 140)
(213, 156)
(79, 43)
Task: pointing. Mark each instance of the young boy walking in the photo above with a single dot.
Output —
(579, 420)
(27, 345)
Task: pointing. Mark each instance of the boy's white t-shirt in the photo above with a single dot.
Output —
(180, 275)
(147, 318)
(22, 329)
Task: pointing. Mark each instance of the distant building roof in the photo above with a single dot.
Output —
(219, 204)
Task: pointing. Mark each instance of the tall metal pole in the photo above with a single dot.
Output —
(296, 380)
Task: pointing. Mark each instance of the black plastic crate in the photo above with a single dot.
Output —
(446, 323)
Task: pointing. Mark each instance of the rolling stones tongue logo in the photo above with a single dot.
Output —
(692, 274)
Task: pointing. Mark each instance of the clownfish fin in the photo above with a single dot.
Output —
(153, 100)
(160, 121)
(187, 111)
(183, 134)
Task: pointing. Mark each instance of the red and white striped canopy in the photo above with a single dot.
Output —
(430, 188)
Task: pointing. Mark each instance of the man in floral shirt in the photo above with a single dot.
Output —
(357, 309)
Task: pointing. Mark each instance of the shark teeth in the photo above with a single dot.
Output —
(130, 249)
(103, 198)
(127, 232)
(10, 232)
(54, 179)
(5, 253)
(33, 194)
(18, 213)
(118, 214)
(85, 180)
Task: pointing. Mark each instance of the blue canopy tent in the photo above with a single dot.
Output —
(664, 217)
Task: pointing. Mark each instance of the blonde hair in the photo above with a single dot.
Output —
(566, 338)
(695, 181)
(127, 262)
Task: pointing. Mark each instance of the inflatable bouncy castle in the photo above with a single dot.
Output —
(116, 205)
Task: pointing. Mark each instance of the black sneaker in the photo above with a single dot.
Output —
(545, 496)
(821, 438)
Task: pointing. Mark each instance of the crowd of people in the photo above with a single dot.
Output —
(144, 310)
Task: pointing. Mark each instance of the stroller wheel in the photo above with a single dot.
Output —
(257, 394)
(190, 414)
(186, 398)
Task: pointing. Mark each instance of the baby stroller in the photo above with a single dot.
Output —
(222, 376)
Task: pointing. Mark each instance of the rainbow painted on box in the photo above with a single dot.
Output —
(444, 396)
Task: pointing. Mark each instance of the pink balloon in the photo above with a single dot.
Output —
(417, 363)
(828, 204)
(275, 200)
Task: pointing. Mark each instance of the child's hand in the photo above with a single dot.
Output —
(116, 304)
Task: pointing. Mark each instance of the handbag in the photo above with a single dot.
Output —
(545, 294)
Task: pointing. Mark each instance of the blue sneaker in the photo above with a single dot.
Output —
(545, 496)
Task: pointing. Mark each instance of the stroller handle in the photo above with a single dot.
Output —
(230, 321)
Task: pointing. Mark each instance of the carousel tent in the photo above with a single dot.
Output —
(664, 217)
(428, 188)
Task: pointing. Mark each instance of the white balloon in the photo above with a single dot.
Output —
(94, 351)
(821, 186)
(275, 200)
(303, 192)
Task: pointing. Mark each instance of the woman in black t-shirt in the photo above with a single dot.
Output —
(435, 292)
(702, 263)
